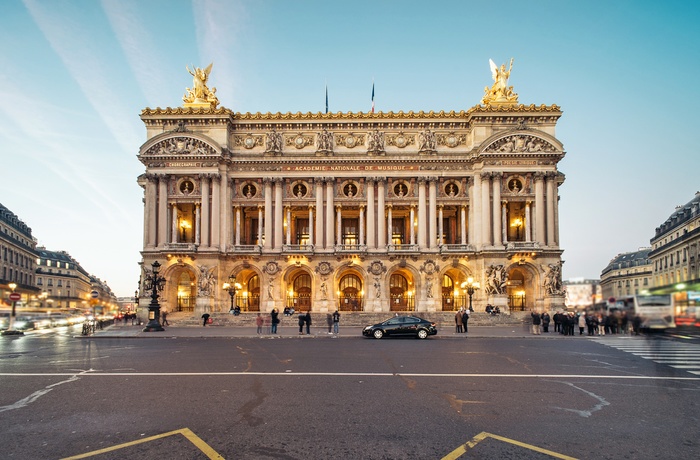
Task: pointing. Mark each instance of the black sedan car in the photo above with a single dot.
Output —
(401, 326)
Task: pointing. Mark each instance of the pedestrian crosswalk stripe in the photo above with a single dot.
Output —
(685, 356)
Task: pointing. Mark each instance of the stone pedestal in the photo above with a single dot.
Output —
(500, 301)
(553, 303)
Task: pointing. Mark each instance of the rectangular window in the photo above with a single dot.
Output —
(398, 230)
(302, 235)
(350, 229)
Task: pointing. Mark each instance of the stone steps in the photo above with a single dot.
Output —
(442, 319)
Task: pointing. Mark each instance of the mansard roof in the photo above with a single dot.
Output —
(680, 216)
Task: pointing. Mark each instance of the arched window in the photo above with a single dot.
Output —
(351, 293)
(448, 293)
(300, 295)
(253, 298)
(401, 296)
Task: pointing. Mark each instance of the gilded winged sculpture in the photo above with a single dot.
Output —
(500, 92)
(200, 94)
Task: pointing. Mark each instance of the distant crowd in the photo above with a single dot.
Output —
(596, 323)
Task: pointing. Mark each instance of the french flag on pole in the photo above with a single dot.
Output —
(372, 96)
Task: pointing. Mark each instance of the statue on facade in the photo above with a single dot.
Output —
(426, 141)
(377, 288)
(324, 141)
(429, 287)
(500, 92)
(207, 281)
(552, 279)
(200, 93)
(273, 142)
(496, 279)
(375, 141)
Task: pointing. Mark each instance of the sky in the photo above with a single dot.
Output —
(75, 75)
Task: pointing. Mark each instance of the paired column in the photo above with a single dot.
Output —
(216, 212)
(311, 224)
(150, 211)
(432, 213)
(422, 215)
(539, 209)
(204, 181)
(318, 244)
(486, 209)
(498, 224)
(268, 214)
(330, 208)
(371, 240)
(551, 201)
(381, 217)
(162, 210)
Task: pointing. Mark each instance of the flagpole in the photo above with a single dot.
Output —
(372, 95)
(326, 97)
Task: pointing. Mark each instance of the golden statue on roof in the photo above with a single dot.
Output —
(200, 95)
(500, 92)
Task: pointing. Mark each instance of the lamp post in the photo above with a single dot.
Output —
(154, 282)
(232, 286)
(14, 297)
(136, 301)
(470, 286)
(517, 223)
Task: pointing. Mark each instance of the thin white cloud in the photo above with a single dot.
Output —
(141, 52)
(73, 42)
(220, 24)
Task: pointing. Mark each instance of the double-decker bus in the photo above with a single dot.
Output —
(655, 311)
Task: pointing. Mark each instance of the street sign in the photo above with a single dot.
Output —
(94, 294)
(15, 296)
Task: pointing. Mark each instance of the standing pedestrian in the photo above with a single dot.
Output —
(259, 323)
(535, 323)
(581, 323)
(545, 322)
(164, 315)
(465, 321)
(336, 321)
(329, 321)
(274, 320)
(458, 321)
(557, 321)
(307, 321)
(302, 320)
(205, 318)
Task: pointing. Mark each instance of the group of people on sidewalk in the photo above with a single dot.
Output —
(462, 320)
(615, 322)
(304, 321)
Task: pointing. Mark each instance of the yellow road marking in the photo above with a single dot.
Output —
(186, 432)
(461, 450)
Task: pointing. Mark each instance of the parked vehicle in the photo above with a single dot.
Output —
(401, 326)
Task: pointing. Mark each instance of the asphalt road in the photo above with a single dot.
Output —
(319, 398)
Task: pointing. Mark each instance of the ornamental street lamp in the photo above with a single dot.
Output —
(154, 282)
(470, 286)
(232, 286)
(14, 297)
(517, 224)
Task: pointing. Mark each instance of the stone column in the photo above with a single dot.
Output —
(268, 214)
(197, 224)
(486, 209)
(204, 180)
(339, 224)
(330, 209)
(441, 230)
(463, 223)
(289, 225)
(551, 202)
(362, 225)
(539, 209)
(432, 213)
(174, 237)
(389, 225)
(162, 210)
(279, 215)
(150, 210)
(497, 223)
(371, 225)
(504, 221)
(311, 224)
(413, 224)
(422, 215)
(238, 225)
(216, 212)
(260, 226)
(381, 217)
(528, 222)
(318, 185)
(475, 212)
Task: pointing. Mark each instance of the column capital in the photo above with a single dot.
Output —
(485, 175)
(539, 175)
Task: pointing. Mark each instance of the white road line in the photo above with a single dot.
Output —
(95, 373)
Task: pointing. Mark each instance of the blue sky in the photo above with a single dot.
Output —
(75, 75)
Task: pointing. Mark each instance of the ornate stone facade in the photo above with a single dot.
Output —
(356, 211)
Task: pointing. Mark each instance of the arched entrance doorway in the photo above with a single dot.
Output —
(401, 295)
(186, 292)
(516, 290)
(351, 294)
(452, 297)
(248, 297)
(299, 295)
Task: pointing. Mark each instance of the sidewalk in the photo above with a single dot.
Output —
(128, 331)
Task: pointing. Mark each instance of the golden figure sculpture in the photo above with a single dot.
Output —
(500, 92)
(200, 95)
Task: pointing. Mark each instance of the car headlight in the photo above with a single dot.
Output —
(367, 328)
